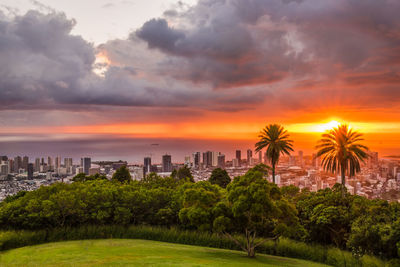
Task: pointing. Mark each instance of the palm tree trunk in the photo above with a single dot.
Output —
(273, 172)
(343, 172)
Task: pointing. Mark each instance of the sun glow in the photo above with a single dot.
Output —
(314, 127)
(101, 64)
(327, 126)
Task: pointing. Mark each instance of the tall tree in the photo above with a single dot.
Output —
(276, 139)
(183, 174)
(220, 177)
(341, 151)
(254, 207)
(122, 175)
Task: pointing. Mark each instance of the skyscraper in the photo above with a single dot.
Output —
(301, 162)
(50, 163)
(260, 156)
(187, 161)
(11, 165)
(4, 170)
(373, 160)
(86, 164)
(57, 163)
(196, 159)
(25, 162)
(249, 156)
(30, 171)
(207, 159)
(292, 160)
(221, 161)
(214, 160)
(17, 163)
(166, 163)
(147, 166)
(68, 163)
(239, 157)
(37, 165)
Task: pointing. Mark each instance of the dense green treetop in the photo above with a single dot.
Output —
(219, 177)
(122, 175)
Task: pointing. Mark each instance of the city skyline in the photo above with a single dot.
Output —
(199, 70)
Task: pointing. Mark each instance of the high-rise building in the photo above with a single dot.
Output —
(292, 160)
(315, 161)
(68, 163)
(239, 157)
(214, 161)
(25, 162)
(17, 164)
(249, 156)
(11, 166)
(260, 156)
(37, 165)
(301, 162)
(187, 161)
(86, 164)
(235, 162)
(4, 170)
(147, 166)
(221, 161)
(29, 169)
(196, 160)
(207, 159)
(373, 160)
(57, 163)
(50, 163)
(166, 163)
(266, 160)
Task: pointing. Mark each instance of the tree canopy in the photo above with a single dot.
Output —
(219, 177)
(122, 175)
(276, 139)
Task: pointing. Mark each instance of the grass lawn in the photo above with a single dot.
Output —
(133, 252)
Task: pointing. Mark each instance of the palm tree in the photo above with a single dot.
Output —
(341, 151)
(275, 138)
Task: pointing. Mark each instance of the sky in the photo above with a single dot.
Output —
(196, 70)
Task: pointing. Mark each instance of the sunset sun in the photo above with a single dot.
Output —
(328, 126)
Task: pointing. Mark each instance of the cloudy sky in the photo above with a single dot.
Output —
(207, 69)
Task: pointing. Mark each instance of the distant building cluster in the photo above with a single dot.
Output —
(378, 178)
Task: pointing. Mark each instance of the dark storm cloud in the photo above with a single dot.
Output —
(44, 66)
(290, 54)
(241, 42)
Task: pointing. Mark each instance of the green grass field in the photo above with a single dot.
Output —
(133, 252)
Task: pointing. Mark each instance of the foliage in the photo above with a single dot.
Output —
(199, 200)
(276, 139)
(341, 151)
(262, 168)
(376, 228)
(183, 173)
(92, 202)
(249, 210)
(122, 175)
(255, 208)
(220, 177)
(82, 177)
(326, 215)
